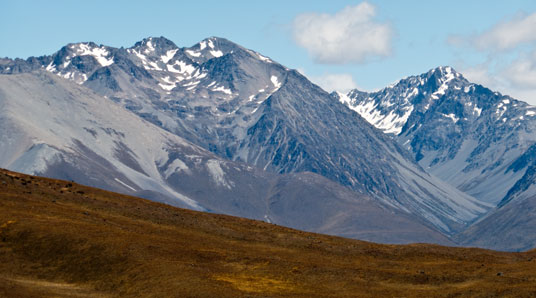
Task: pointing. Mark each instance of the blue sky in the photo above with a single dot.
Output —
(338, 44)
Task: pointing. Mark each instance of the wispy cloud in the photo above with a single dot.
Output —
(511, 63)
(522, 71)
(517, 78)
(507, 35)
(351, 35)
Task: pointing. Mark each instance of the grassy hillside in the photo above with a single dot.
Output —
(60, 239)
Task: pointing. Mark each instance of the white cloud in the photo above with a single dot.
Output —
(341, 82)
(522, 72)
(508, 35)
(504, 36)
(511, 57)
(349, 36)
(521, 77)
(517, 79)
(480, 74)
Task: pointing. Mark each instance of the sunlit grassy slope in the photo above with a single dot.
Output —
(60, 239)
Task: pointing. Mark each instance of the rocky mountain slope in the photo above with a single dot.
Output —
(245, 107)
(53, 127)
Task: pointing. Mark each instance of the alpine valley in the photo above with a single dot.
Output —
(220, 128)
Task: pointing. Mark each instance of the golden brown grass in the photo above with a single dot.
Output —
(60, 239)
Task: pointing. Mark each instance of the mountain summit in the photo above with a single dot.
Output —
(478, 140)
(466, 134)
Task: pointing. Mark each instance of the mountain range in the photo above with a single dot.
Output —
(222, 128)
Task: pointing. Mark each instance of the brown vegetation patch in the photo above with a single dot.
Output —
(62, 239)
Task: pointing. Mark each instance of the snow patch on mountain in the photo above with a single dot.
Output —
(99, 53)
(149, 47)
(276, 82)
(168, 86)
(142, 57)
(263, 58)
(168, 56)
(222, 89)
(391, 122)
(216, 53)
(184, 68)
(452, 117)
(218, 175)
(176, 166)
(193, 53)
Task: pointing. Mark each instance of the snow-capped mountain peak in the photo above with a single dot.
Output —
(155, 46)
(463, 132)
(444, 73)
(212, 47)
(77, 60)
(390, 108)
(100, 53)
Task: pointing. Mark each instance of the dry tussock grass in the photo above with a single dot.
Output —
(60, 239)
